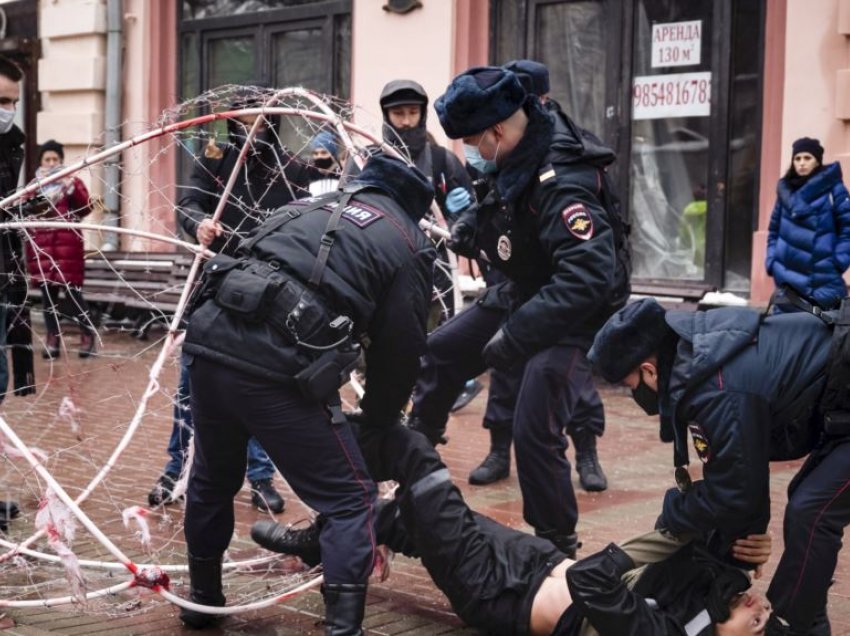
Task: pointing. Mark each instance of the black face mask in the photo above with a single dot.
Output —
(646, 398)
(325, 163)
(413, 138)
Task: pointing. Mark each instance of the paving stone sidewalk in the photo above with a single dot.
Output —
(106, 390)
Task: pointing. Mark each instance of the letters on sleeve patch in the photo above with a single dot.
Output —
(701, 445)
(361, 215)
(578, 221)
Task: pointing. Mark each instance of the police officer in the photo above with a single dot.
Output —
(270, 178)
(267, 351)
(747, 390)
(543, 225)
(586, 425)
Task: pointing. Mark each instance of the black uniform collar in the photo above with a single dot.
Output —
(521, 164)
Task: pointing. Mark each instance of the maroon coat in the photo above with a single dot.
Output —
(57, 255)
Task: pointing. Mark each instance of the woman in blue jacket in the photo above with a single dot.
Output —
(808, 242)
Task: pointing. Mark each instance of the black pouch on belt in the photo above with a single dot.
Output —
(322, 378)
(247, 292)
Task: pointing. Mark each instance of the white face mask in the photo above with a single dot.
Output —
(7, 120)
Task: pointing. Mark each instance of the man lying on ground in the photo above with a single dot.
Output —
(503, 581)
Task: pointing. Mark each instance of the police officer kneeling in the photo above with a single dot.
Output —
(748, 390)
(272, 339)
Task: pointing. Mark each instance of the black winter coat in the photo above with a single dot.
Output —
(379, 273)
(746, 389)
(265, 182)
(544, 227)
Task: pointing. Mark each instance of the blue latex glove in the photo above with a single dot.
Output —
(458, 200)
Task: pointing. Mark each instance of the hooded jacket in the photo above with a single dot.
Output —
(543, 225)
(746, 390)
(808, 241)
(378, 273)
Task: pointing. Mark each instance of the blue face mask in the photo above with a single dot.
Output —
(474, 159)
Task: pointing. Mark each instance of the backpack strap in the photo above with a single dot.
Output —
(281, 218)
(327, 240)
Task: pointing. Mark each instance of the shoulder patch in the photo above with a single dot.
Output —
(361, 215)
(701, 444)
(578, 221)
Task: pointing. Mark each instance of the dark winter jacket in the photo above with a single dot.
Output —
(544, 227)
(11, 160)
(746, 390)
(667, 596)
(58, 255)
(378, 273)
(808, 243)
(265, 182)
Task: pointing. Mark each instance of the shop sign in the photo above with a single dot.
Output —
(676, 43)
(675, 95)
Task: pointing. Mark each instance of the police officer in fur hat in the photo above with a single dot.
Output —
(272, 339)
(543, 225)
(583, 429)
(746, 390)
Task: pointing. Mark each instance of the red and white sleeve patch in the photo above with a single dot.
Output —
(578, 221)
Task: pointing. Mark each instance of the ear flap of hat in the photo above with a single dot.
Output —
(406, 184)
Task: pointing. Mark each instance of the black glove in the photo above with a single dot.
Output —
(502, 352)
(462, 240)
(777, 627)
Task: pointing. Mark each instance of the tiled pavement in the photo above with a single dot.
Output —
(106, 391)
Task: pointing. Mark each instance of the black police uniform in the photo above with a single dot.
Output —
(545, 228)
(746, 389)
(491, 573)
(243, 359)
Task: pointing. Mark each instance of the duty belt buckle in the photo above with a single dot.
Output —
(683, 479)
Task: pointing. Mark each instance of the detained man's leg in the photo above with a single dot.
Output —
(453, 356)
(323, 465)
(547, 399)
(217, 472)
(818, 510)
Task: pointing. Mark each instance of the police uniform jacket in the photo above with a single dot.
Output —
(544, 227)
(266, 181)
(378, 273)
(745, 389)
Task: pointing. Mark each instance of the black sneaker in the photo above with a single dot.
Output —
(303, 543)
(162, 493)
(495, 467)
(265, 497)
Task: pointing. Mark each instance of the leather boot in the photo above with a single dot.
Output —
(303, 542)
(345, 604)
(566, 543)
(265, 497)
(434, 435)
(205, 589)
(497, 464)
(590, 474)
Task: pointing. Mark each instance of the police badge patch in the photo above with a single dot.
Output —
(503, 247)
(578, 221)
(701, 445)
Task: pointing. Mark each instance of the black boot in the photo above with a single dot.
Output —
(434, 435)
(566, 543)
(205, 582)
(265, 497)
(497, 464)
(590, 474)
(303, 543)
(344, 607)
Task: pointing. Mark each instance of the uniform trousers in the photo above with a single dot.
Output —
(556, 387)
(321, 462)
(818, 510)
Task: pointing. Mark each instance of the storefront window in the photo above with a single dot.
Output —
(576, 80)
(671, 108)
(199, 9)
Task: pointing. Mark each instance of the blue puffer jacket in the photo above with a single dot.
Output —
(808, 242)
